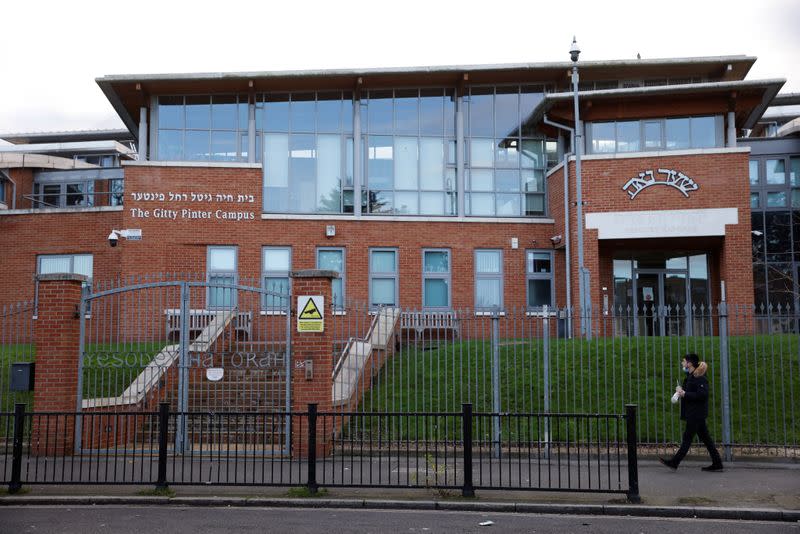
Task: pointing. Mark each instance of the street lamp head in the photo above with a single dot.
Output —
(574, 51)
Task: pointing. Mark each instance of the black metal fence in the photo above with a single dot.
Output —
(446, 452)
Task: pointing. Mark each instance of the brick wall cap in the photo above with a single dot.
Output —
(314, 273)
(61, 276)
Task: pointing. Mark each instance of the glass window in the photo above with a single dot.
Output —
(539, 276)
(628, 136)
(383, 278)
(778, 236)
(221, 271)
(488, 279)
(276, 262)
(333, 259)
(704, 132)
(776, 199)
(502, 146)
(754, 172)
(794, 171)
(603, 137)
(677, 133)
(198, 112)
(117, 190)
(68, 263)
(436, 278)
(652, 134)
(754, 200)
(776, 171)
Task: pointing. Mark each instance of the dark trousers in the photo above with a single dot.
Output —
(697, 427)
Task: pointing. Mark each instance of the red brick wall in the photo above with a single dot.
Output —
(723, 182)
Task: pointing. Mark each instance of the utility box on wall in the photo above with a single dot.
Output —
(22, 376)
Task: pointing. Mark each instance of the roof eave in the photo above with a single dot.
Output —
(116, 103)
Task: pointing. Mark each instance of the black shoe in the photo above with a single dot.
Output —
(669, 463)
(712, 467)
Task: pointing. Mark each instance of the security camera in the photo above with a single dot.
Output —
(113, 238)
(757, 233)
(556, 239)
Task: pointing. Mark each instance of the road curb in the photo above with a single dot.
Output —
(689, 512)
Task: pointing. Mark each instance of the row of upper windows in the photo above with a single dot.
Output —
(771, 185)
(654, 134)
(384, 277)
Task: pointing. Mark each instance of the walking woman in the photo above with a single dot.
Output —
(694, 410)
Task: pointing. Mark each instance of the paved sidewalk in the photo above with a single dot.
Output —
(746, 490)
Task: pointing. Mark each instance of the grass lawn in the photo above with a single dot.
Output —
(108, 369)
(600, 376)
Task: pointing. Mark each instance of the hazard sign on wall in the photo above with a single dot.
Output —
(311, 313)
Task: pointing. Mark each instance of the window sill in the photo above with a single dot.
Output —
(540, 314)
(490, 314)
(268, 313)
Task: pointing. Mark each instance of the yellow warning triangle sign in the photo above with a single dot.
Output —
(310, 311)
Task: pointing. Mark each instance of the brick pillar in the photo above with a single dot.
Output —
(316, 348)
(57, 338)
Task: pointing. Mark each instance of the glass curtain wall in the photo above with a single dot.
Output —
(202, 128)
(306, 138)
(409, 152)
(505, 157)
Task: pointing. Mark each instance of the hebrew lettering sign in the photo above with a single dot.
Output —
(669, 177)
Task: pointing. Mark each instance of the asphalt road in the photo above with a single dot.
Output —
(202, 520)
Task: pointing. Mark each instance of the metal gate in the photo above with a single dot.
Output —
(202, 346)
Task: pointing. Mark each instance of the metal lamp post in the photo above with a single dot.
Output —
(583, 273)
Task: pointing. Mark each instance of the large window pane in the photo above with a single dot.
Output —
(55, 264)
(333, 260)
(277, 259)
(507, 153)
(481, 153)
(487, 293)
(379, 109)
(303, 112)
(223, 113)
(431, 164)
(508, 205)
(704, 133)
(481, 203)
(487, 261)
(776, 171)
(382, 261)
(778, 236)
(383, 293)
(481, 121)
(481, 180)
(302, 172)
(776, 199)
(628, 136)
(431, 204)
(170, 112)
(405, 163)
(603, 137)
(222, 259)
(794, 171)
(539, 262)
(506, 112)
(276, 160)
(506, 180)
(197, 145)
(329, 112)
(539, 293)
(652, 134)
(753, 172)
(380, 163)
(170, 145)
(436, 262)
(329, 162)
(223, 146)
(431, 112)
(198, 112)
(436, 293)
(406, 203)
(406, 112)
(677, 133)
(532, 154)
(276, 113)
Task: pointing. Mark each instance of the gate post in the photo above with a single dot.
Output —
(56, 335)
(312, 359)
(727, 440)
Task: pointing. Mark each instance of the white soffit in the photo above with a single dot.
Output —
(662, 223)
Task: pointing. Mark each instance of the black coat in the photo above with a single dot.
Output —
(694, 404)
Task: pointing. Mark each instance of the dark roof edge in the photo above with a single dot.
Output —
(116, 103)
(67, 136)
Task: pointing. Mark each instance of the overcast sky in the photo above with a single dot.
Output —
(51, 52)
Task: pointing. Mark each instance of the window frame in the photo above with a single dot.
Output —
(274, 273)
(342, 274)
(86, 287)
(489, 276)
(447, 277)
(384, 275)
(719, 135)
(540, 276)
(219, 272)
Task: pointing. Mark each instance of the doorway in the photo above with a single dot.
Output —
(661, 296)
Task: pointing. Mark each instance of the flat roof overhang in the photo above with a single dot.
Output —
(128, 92)
(747, 98)
(24, 138)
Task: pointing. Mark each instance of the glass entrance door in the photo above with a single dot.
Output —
(661, 298)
